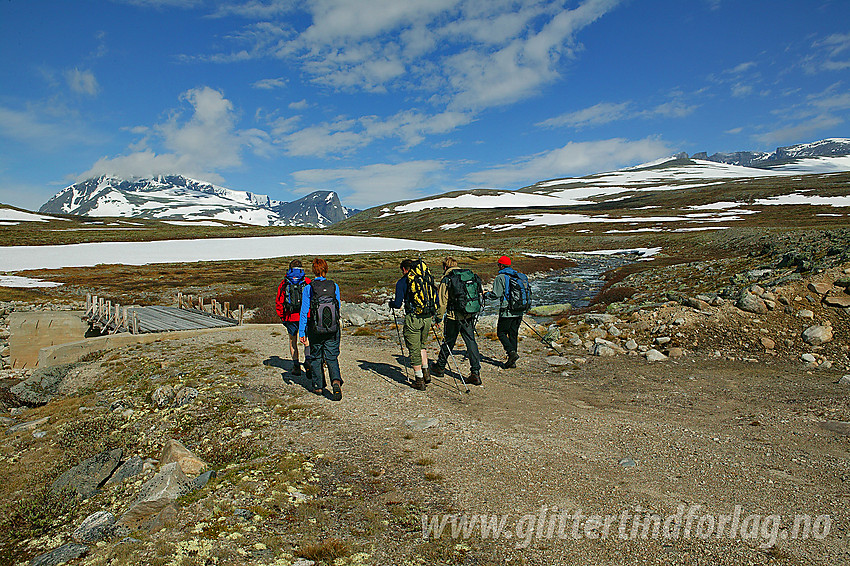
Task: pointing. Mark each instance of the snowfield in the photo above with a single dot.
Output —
(20, 258)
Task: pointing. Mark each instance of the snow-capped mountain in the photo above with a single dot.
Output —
(832, 147)
(174, 197)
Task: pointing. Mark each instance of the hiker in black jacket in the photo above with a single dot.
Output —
(456, 322)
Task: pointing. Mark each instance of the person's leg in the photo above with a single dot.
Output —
(293, 353)
(315, 361)
(512, 331)
(413, 339)
(423, 337)
(502, 332)
(332, 360)
(467, 332)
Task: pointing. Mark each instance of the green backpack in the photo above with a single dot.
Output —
(421, 291)
(466, 293)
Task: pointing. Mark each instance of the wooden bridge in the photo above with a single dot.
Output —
(189, 314)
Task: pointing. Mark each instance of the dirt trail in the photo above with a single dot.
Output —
(700, 431)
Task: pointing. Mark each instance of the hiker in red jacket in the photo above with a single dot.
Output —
(288, 305)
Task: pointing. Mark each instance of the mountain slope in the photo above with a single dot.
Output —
(175, 197)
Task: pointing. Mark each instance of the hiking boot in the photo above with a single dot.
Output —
(511, 361)
(474, 378)
(426, 375)
(337, 391)
(296, 369)
(419, 383)
(437, 370)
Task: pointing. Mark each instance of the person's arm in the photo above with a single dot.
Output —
(305, 310)
(443, 299)
(498, 291)
(400, 291)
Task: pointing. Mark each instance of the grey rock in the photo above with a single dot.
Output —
(817, 335)
(695, 303)
(662, 340)
(63, 554)
(845, 380)
(614, 331)
(85, 478)
(163, 396)
(631, 345)
(603, 350)
(132, 467)
(550, 310)
(675, 353)
(20, 427)
(185, 396)
(203, 479)
(39, 434)
(806, 313)
(557, 360)
(751, 303)
(42, 385)
(598, 318)
(245, 514)
(627, 463)
(169, 484)
(653, 355)
(808, 358)
(422, 423)
(95, 527)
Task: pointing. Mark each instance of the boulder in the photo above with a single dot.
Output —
(185, 396)
(95, 527)
(132, 467)
(695, 303)
(27, 425)
(63, 554)
(550, 310)
(838, 301)
(653, 355)
(163, 396)
(189, 463)
(817, 335)
(751, 303)
(155, 495)
(819, 288)
(42, 385)
(87, 477)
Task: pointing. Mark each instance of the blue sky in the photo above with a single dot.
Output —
(383, 100)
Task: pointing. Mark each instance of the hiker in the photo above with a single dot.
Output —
(319, 325)
(511, 289)
(288, 306)
(416, 291)
(461, 299)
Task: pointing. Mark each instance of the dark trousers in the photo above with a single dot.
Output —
(323, 348)
(507, 330)
(466, 329)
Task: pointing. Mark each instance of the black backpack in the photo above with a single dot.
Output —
(324, 308)
(421, 291)
(517, 291)
(292, 288)
(466, 293)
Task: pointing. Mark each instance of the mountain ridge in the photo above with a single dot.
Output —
(175, 197)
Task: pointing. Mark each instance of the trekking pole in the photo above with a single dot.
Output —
(400, 344)
(452, 355)
(543, 339)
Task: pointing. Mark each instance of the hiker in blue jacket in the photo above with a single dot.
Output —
(321, 329)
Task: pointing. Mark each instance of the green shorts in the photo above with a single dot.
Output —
(416, 333)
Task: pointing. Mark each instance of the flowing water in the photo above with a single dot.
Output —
(574, 285)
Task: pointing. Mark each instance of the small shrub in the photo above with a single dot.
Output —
(613, 295)
(365, 331)
(433, 476)
(325, 551)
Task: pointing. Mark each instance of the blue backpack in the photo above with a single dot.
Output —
(292, 289)
(517, 291)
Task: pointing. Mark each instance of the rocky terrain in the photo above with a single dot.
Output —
(719, 383)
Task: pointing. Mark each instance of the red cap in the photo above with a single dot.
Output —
(504, 260)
